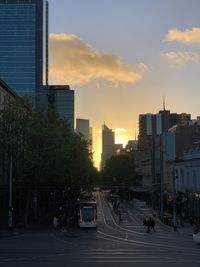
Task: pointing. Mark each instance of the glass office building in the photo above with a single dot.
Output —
(61, 97)
(23, 45)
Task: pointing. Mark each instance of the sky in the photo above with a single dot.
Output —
(121, 57)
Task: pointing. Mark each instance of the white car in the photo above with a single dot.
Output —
(196, 237)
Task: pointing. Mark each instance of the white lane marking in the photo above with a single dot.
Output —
(122, 228)
(130, 241)
(139, 261)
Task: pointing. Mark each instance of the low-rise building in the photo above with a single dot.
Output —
(188, 170)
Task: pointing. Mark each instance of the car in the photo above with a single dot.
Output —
(196, 237)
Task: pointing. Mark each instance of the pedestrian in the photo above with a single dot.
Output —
(152, 224)
(120, 215)
(196, 225)
(146, 223)
(148, 226)
(55, 222)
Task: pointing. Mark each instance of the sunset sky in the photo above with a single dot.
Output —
(122, 56)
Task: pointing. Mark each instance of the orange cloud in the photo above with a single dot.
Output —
(186, 37)
(76, 63)
(181, 58)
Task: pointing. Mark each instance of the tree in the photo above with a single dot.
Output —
(46, 155)
(119, 170)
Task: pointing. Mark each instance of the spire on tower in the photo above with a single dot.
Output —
(163, 102)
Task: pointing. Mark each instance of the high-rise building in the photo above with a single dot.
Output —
(151, 148)
(151, 125)
(24, 46)
(108, 145)
(185, 135)
(61, 97)
(83, 128)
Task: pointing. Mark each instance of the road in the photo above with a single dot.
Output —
(113, 243)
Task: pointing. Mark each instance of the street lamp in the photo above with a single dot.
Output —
(10, 215)
(174, 196)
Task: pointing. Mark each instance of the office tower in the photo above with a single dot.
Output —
(152, 150)
(108, 145)
(184, 136)
(61, 97)
(24, 46)
(151, 125)
(83, 128)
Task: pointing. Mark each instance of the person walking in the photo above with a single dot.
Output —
(120, 215)
(152, 224)
(55, 222)
(146, 223)
(148, 226)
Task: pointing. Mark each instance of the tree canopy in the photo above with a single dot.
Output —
(43, 147)
(119, 170)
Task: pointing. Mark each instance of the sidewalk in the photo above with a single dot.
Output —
(187, 229)
(7, 233)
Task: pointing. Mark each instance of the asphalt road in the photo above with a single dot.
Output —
(113, 243)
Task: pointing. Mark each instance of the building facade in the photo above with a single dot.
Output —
(24, 45)
(108, 145)
(151, 125)
(156, 144)
(188, 170)
(61, 97)
(83, 128)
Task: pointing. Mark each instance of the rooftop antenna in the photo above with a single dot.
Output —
(164, 103)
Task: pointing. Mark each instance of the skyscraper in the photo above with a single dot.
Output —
(83, 128)
(24, 46)
(61, 97)
(151, 125)
(108, 145)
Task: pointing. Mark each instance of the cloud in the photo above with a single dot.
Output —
(76, 63)
(186, 37)
(181, 58)
(143, 67)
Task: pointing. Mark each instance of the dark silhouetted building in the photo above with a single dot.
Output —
(108, 145)
(151, 125)
(61, 97)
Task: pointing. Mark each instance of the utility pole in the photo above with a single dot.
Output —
(161, 177)
(174, 197)
(10, 215)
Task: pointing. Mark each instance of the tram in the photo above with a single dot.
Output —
(86, 211)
